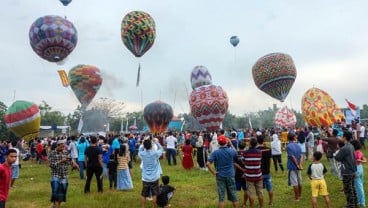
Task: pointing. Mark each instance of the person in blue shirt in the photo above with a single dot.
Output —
(294, 157)
(224, 158)
(150, 169)
(82, 145)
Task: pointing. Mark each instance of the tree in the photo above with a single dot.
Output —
(49, 117)
(3, 128)
(72, 120)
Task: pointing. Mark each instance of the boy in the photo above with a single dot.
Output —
(166, 192)
(239, 172)
(112, 171)
(316, 172)
(5, 175)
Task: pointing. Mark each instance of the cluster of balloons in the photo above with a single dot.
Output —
(158, 116)
(208, 102)
(319, 109)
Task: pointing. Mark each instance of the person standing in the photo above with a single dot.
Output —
(5, 175)
(310, 143)
(187, 161)
(124, 179)
(151, 170)
(359, 179)
(332, 147)
(93, 162)
(201, 152)
(225, 158)
(171, 148)
(72, 148)
(276, 151)
(82, 146)
(59, 161)
(361, 132)
(348, 169)
(265, 166)
(15, 165)
(294, 155)
(316, 172)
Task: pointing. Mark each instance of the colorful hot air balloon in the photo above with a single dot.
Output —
(209, 104)
(23, 119)
(234, 40)
(319, 109)
(157, 116)
(85, 80)
(53, 38)
(275, 74)
(200, 76)
(138, 32)
(285, 117)
(65, 2)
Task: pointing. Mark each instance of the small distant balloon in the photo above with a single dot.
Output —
(65, 2)
(234, 40)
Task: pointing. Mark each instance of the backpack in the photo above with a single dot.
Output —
(161, 198)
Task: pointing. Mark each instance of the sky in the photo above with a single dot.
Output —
(327, 40)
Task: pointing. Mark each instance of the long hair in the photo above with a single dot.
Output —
(122, 150)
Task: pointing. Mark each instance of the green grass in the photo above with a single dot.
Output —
(194, 189)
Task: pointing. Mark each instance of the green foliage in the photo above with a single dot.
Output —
(49, 117)
(3, 128)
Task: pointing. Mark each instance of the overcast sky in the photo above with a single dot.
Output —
(328, 41)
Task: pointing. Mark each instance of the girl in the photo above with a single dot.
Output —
(124, 180)
(187, 161)
(359, 179)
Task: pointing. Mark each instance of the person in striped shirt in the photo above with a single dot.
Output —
(253, 173)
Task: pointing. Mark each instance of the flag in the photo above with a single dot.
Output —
(80, 125)
(250, 122)
(353, 108)
(138, 75)
(64, 78)
(122, 126)
(108, 127)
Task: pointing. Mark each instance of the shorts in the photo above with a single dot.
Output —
(255, 187)
(295, 178)
(319, 187)
(150, 188)
(15, 171)
(267, 182)
(226, 184)
(241, 185)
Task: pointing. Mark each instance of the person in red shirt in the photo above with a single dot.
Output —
(5, 175)
(39, 149)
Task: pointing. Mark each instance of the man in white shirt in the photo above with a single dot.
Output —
(171, 148)
(361, 132)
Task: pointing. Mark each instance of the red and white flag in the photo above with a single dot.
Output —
(353, 108)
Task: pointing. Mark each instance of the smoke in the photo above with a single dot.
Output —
(110, 84)
(94, 120)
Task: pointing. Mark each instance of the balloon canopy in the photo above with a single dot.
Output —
(23, 119)
(200, 76)
(319, 109)
(234, 40)
(85, 80)
(285, 117)
(52, 37)
(209, 104)
(65, 2)
(275, 74)
(138, 32)
(157, 116)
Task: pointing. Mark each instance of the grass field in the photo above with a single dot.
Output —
(195, 188)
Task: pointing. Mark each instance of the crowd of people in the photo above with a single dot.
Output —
(242, 162)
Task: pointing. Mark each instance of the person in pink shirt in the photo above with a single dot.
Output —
(5, 175)
(359, 179)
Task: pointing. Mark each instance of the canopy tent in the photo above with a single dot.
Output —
(46, 131)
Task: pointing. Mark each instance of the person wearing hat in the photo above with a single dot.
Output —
(225, 159)
(59, 160)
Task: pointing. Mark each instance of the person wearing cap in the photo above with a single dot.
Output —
(59, 161)
(294, 157)
(225, 158)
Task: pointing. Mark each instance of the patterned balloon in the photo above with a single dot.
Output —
(209, 104)
(23, 119)
(53, 38)
(138, 32)
(157, 116)
(319, 109)
(200, 76)
(85, 80)
(285, 117)
(234, 40)
(275, 74)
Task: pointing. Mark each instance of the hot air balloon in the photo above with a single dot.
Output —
(157, 116)
(23, 119)
(209, 104)
(200, 76)
(285, 117)
(53, 38)
(275, 74)
(234, 40)
(85, 80)
(65, 2)
(319, 109)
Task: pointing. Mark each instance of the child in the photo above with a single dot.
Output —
(359, 179)
(124, 179)
(166, 192)
(239, 171)
(316, 172)
(112, 171)
(319, 145)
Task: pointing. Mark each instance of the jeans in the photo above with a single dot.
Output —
(98, 173)
(349, 190)
(359, 185)
(171, 153)
(333, 166)
(81, 169)
(59, 187)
